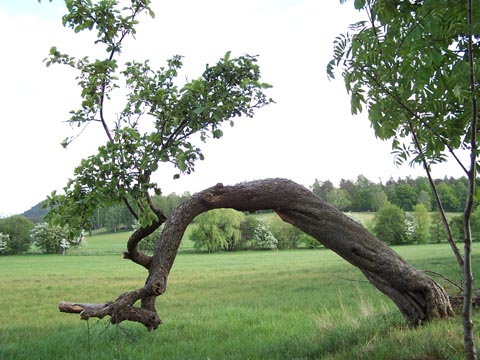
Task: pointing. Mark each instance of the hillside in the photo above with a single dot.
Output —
(36, 213)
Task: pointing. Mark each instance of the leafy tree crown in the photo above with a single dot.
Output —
(407, 64)
(179, 116)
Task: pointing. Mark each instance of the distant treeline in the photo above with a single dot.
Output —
(119, 218)
(357, 196)
(365, 195)
(113, 218)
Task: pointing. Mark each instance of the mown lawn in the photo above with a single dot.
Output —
(304, 304)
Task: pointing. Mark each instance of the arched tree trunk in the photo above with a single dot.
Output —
(418, 297)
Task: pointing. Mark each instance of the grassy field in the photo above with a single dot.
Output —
(304, 304)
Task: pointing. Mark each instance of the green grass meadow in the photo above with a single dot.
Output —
(302, 304)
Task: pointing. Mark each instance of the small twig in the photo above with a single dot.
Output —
(443, 277)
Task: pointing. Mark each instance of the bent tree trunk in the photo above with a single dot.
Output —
(418, 297)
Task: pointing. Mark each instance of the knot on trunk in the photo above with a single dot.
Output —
(157, 283)
(212, 195)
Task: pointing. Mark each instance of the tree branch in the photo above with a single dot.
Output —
(468, 334)
(119, 310)
(443, 277)
(132, 252)
(416, 116)
(451, 239)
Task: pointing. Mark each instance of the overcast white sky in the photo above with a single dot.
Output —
(309, 133)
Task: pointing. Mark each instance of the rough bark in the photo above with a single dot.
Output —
(418, 297)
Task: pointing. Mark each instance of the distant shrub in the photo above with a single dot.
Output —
(356, 219)
(218, 230)
(291, 237)
(149, 242)
(475, 224)
(390, 225)
(410, 229)
(310, 242)
(247, 228)
(264, 239)
(422, 223)
(438, 233)
(287, 235)
(456, 224)
(53, 239)
(3, 243)
(18, 230)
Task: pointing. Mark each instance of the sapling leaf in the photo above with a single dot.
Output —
(217, 133)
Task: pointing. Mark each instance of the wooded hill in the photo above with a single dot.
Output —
(365, 195)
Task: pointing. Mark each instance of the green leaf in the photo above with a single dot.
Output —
(217, 134)
(199, 110)
(330, 68)
(405, 70)
(181, 164)
(226, 58)
(359, 4)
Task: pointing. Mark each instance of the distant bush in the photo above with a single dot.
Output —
(475, 224)
(52, 239)
(287, 235)
(149, 242)
(410, 228)
(218, 230)
(456, 224)
(18, 230)
(310, 242)
(291, 237)
(422, 223)
(264, 239)
(3, 242)
(437, 231)
(247, 228)
(390, 225)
